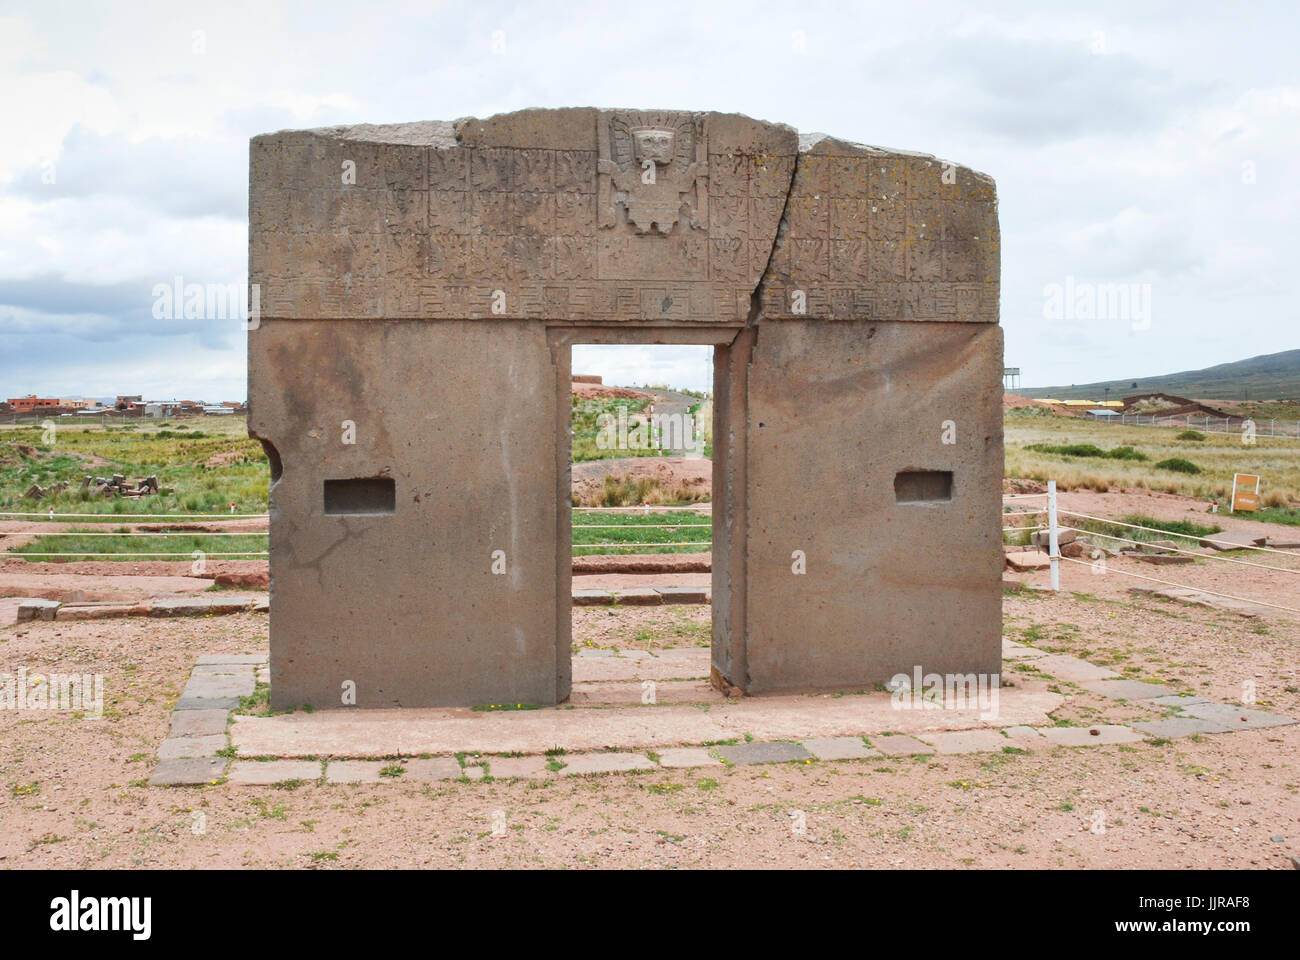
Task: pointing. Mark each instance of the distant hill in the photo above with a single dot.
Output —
(1274, 376)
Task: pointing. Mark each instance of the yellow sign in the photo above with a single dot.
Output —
(1245, 492)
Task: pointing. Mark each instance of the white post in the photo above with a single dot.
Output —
(1053, 549)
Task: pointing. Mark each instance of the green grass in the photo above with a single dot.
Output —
(1087, 450)
(1180, 464)
(200, 470)
(587, 433)
(640, 532)
(1287, 515)
(120, 548)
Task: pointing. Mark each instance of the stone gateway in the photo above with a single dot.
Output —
(420, 288)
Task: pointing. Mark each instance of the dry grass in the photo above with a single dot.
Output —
(1218, 456)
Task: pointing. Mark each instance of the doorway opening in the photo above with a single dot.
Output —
(642, 513)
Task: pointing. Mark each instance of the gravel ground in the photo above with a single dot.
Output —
(72, 795)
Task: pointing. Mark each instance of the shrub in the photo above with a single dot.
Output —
(1178, 464)
(1190, 435)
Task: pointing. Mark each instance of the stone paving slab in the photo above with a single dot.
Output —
(196, 704)
(1024, 736)
(37, 609)
(206, 686)
(213, 659)
(592, 598)
(177, 747)
(1020, 651)
(432, 769)
(1072, 669)
(101, 611)
(585, 763)
(681, 758)
(378, 733)
(224, 670)
(593, 669)
(265, 772)
(519, 767)
(473, 772)
(777, 751)
(1125, 689)
(1175, 700)
(630, 693)
(1180, 727)
(966, 741)
(173, 773)
(900, 745)
(1236, 718)
(198, 723)
(839, 748)
(685, 594)
(1028, 560)
(637, 596)
(355, 771)
(1083, 736)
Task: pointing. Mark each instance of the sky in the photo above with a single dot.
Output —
(1147, 155)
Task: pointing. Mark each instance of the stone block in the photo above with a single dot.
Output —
(502, 768)
(1085, 737)
(1179, 727)
(199, 723)
(37, 609)
(774, 751)
(839, 748)
(177, 748)
(1124, 689)
(266, 772)
(966, 741)
(356, 771)
(1236, 718)
(680, 758)
(898, 745)
(431, 769)
(190, 772)
(584, 763)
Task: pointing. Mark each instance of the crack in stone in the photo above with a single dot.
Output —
(756, 298)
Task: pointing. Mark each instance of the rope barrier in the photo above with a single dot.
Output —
(1207, 556)
(1169, 533)
(96, 533)
(1170, 583)
(172, 554)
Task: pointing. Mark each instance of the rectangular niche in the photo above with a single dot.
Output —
(923, 486)
(360, 496)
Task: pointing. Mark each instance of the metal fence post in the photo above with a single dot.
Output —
(1053, 548)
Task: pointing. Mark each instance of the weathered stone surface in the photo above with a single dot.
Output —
(684, 594)
(1084, 736)
(198, 723)
(265, 772)
(511, 767)
(839, 748)
(592, 598)
(37, 609)
(680, 758)
(966, 741)
(1180, 727)
(777, 751)
(432, 769)
(637, 596)
(1124, 689)
(356, 771)
(190, 704)
(1236, 718)
(188, 772)
(1072, 669)
(584, 763)
(178, 747)
(487, 247)
(900, 745)
(1176, 700)
(1023, 560)
(216, 659)
(207, 686)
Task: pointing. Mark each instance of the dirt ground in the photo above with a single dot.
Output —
(73, 795)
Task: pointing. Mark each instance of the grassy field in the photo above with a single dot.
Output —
(203, 464)
(635, 529)
(587, 432)
(1216, 458)
(82, 544)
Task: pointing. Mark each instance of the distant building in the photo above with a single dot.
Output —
(34, 404)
